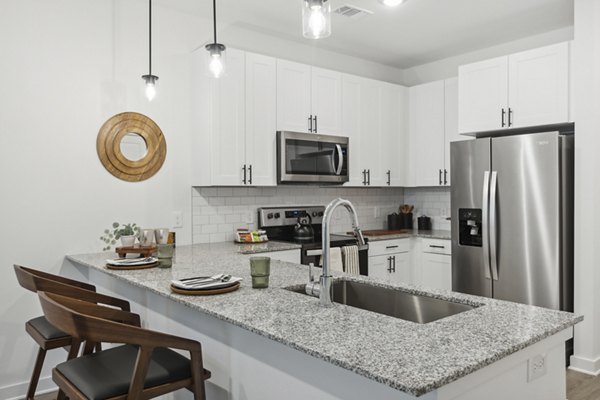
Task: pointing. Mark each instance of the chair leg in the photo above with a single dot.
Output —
(35, 376)
(197, 375)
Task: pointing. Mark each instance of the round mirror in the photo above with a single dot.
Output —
(133, 146)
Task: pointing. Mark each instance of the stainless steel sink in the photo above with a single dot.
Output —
(392, 302)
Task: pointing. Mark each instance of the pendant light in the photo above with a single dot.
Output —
(316, 19)
(150, 79)
(215, 51)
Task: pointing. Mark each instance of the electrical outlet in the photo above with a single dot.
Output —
(536, 367)
(177, 219)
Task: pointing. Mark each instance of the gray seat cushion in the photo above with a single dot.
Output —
(108, 373)
(46, 329)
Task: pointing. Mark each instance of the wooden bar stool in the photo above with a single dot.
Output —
(46, 335)
(143, 367)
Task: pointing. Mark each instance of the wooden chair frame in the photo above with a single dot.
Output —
(84, 321)
(35, 280)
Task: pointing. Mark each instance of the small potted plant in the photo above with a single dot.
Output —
(125, 232)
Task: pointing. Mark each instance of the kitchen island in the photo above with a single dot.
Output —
(274, 343)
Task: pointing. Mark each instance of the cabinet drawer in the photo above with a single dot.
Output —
(436, 246)
(384, 247)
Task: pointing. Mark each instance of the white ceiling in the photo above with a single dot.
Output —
(418, 32)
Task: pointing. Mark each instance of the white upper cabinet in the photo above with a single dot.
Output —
(451, 133)
(326, 103)
(352, 100)
(293, 96)
(524, 89)
(261, 107)
(483, 95)
(538, 91)
(427, 124)
(309, 99)
(370, 144)
(234, 140)
(394, 134)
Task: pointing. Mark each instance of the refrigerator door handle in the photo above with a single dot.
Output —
(484, 224)
(492, 226)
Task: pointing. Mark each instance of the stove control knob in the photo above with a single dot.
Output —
(314, 214)
(277, 215)
(320, 213)
(270, 216)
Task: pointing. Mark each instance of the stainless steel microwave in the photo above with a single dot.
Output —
(311, 158)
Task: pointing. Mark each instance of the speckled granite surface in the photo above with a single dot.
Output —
(265, 247)
(434, 234)
(410, 357)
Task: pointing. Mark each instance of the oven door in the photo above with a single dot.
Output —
(311, 158)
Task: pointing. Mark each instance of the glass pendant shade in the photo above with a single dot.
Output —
(316, 19)
(150, 86)
(215, 59)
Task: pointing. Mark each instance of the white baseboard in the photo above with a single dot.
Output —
(18, 390)
(585, 365)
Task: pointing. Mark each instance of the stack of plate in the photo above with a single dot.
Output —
(205, 285)
(132, 263)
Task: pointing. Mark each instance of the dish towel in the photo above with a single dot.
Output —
(350, 259)
(335, 258)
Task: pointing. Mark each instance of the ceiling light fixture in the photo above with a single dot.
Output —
(216, 51)
(150, 79)
(392, 3)
(316, 19)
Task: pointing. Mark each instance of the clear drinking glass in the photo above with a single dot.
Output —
(260, 269)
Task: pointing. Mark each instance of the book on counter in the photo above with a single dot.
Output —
(248, 236)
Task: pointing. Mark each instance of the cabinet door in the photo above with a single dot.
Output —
(401, 268)
(394, 141)
(261, 110)
(293, 96)
(482, 95)
(539, 86)
(326, 101)
(352, 100)
(451, 122)
(427, 133)
(227, 133)
(370, 132)
(436, 271)
(379, 268)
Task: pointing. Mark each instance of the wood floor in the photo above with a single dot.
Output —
(579, 387)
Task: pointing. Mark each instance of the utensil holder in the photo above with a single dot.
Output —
(393, 221)
(406, 221)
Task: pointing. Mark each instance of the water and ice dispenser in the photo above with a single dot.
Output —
(469, 227)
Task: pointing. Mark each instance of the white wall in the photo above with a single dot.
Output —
(586, 64)
(448, 67)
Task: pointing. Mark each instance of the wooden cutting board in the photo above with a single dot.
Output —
(382, 232)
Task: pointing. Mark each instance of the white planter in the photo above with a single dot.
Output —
(128, 241)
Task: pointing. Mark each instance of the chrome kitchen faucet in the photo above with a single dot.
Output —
(324, 289)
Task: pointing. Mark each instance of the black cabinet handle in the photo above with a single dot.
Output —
(389, 175)
(316, 130)
(510, 115)
(436, 246)
(440, 176)
(244, 169)
(394, 264)
(364, 177)
(392, 247)
(445, 177)
(389, 269)
(369, 177)
(250, 173)
(503, 115)
(310, 128)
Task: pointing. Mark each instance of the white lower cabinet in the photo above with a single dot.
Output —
(418, 261)
(435, 264)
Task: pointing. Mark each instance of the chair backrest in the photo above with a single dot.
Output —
(27, 279)
(35, 281)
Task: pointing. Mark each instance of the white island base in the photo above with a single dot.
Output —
(248, 366)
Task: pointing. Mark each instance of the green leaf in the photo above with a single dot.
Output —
(106, 231)
(115, 225)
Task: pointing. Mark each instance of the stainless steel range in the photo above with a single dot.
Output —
(303, 225)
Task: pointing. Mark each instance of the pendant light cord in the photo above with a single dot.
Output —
(215, 20)
(149, 37)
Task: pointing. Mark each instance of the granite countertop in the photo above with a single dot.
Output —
(433, 234)
(410, 357)
(272, 245)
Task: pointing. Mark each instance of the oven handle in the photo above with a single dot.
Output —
(338, 171)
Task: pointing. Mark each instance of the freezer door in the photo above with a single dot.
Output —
(469, 162)
(524, 229)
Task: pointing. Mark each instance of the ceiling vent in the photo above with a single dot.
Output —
(353, 12)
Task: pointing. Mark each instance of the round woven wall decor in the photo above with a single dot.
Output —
(108, 145)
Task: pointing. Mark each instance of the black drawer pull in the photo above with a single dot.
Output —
(392, 247)
(437, 247)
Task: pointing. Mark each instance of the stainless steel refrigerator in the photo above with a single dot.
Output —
(512, 218)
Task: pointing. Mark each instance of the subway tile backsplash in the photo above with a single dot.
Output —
(218, 212)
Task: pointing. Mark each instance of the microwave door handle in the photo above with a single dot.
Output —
(485, 226)
(340, 153)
